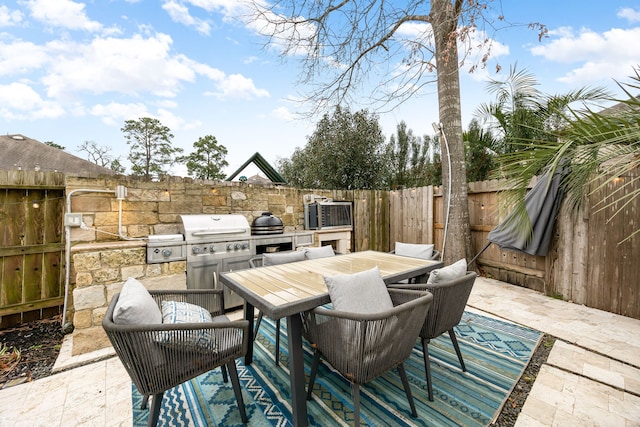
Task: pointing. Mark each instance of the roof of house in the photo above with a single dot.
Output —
(264, 166)
(20, 152)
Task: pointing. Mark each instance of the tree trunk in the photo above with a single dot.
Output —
(457, 238)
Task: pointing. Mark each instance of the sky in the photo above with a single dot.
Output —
(72, 71)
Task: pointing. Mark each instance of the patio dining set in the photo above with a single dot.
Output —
(350, 307)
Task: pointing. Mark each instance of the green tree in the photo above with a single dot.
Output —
(411, 159)
(480, 150)
(346, 46)
(346, 151)
(151, 153)
(596, 147)
(117, 167)
(521, 113)
(208, 159)
(54, 145)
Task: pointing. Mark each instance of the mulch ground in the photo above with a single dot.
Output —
(29, 351)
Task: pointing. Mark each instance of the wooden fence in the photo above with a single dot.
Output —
(32, 250)
(587, 263)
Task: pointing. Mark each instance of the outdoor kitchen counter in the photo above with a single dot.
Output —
(286, 290)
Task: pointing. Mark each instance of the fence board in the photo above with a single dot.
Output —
(12, 280)
(31, 213)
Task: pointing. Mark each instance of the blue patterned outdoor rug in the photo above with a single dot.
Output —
(495, 354)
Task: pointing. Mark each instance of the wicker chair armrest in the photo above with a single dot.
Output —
(210, 299)
(403, 300)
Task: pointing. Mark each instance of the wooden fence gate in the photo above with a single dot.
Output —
(32, 250)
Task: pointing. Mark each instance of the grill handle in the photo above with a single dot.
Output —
(214, 233)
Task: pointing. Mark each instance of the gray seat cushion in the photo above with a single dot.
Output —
(363, 292)
(414, 250)
(136, 306)
(321, 252)
(282, 258)
(448, 273)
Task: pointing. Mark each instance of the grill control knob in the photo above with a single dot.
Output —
(212, 249)
(237, 246)
(245, 246)
(167, 253)
(196, 250)
(229, 247)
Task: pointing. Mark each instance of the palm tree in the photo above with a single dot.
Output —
(597, 146)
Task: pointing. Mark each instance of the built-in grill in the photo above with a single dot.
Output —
(166, 248)
(215, 244)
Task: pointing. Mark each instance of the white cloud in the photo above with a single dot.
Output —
(131, 66)
(115, 114)
(629, 14)
(237, 86)
(229, 8)
(283, 113)
(9, 18)
(62, 13)
(18, 101)
(20, 57)
(610, 54)
(180, 13)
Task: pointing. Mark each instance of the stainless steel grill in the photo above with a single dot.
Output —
(215, 244)
(166, 248)
(212, 244)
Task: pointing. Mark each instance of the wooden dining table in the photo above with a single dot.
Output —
(286, 290)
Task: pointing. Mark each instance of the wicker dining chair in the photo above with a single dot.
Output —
(161, 356)
(449, 301)
(364, 346)
(275, 258)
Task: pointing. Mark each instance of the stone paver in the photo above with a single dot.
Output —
(592, 376)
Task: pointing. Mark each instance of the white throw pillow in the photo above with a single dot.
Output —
(321, 252)
(136, 306)
(175, 312)
(414, 250)
(448, 273)
(282, 258)
(363, 292)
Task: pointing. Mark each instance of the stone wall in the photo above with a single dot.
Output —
(111, 244)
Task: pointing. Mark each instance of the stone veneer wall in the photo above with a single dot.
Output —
(102, 260)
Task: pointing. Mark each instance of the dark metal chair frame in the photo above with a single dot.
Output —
(449, 301)
(155, 367)
(364, 346)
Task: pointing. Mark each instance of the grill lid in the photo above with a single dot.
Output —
(214, 227)
(267, 223)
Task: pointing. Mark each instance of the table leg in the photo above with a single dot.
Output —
(296, 371)
(248, 315)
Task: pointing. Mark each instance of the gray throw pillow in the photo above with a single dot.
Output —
(414, 250)
(321, 252)
(448, 273)
(136, 306)
(363, 292)
(282, 258)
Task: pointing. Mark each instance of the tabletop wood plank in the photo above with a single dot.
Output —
(272, 288)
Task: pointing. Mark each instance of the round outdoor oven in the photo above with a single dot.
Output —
(267, 223)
